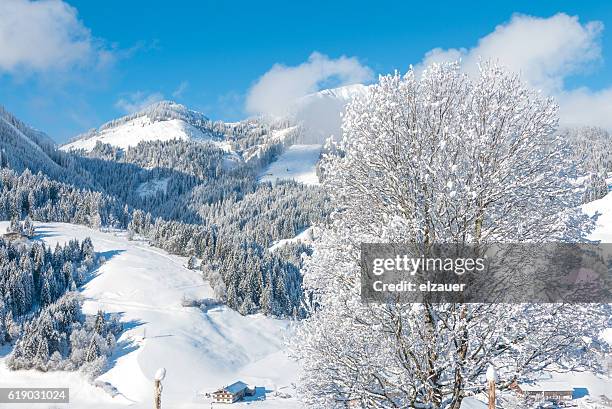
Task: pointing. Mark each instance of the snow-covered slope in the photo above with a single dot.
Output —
(309, 122)
(319, 117)
(321, 113)
(23, 147)
(162, 121)
(152, 187)
(306, 236)
(296, 163)
(201, 351)
(37, 137)
(603, 206)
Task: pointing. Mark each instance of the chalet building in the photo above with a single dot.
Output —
(561, 391)
(232, 393)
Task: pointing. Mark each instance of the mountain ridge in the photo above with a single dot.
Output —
(319, 113)
(23, 147)
(163, 120)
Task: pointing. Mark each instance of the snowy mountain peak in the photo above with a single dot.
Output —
(346, 93)
(321, 112)
(161, 111)
(165, 120)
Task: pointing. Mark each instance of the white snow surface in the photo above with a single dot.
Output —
(305, 236)
(491, 373)
(201, 351)
(472, 403)
(298, 163)
(151, 187)
(595, 385)
(603, 206)
(139, 130)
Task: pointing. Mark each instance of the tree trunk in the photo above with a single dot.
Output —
(491, 387)
(157, 394)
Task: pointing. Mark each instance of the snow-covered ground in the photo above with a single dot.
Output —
(141, 129)
(200, 350)
(602, 206)
(151, 187)
(305, 236)
(276, 136)
(297, 163)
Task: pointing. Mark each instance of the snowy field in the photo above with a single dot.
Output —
(200, 350)
(297, 163)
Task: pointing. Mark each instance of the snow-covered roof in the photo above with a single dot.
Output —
(235, 387)
(546, 386)
(472, 403)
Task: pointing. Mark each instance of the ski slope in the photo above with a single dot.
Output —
(201, 351)
(297, 163)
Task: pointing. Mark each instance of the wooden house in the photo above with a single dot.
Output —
(542, 390)
(232, 393)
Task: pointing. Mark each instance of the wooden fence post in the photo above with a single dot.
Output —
(157, 387)
(491, 379)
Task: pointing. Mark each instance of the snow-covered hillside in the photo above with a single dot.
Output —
(161, 121)
(306, 236)
(309, 122)
(296, 163)
(139, 130)
(152, 187)
(321, 113)
(33, 136)
(319, 117)
(23, 147)
(200, 350)
(603, 230)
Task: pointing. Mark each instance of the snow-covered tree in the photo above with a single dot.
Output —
(592, 150)
(15, 226)
(439, 158)
(62, 338)
(192, 263)
(28, 227)
(32, 278)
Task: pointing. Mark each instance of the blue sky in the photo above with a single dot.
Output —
(113, 56)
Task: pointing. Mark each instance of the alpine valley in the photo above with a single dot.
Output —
(166, 239)
(184, 239)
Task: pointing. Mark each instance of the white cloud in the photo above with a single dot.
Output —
(180, 90)
(545, 51)
(44, 35)
(586, 107)
(137, 101)
(282, 85)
